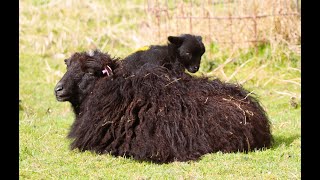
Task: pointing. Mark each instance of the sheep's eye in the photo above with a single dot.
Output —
(66, 62)
(188, 54)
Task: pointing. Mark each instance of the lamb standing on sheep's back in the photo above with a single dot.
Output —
(154, 116)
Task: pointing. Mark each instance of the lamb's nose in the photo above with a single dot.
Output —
(195, 68)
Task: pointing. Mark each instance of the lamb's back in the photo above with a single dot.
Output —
(155, 54)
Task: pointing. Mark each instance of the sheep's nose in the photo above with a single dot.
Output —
(58, 88)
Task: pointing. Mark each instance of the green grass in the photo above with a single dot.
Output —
(50, 32)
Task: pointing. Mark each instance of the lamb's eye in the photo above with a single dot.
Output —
(188, 55)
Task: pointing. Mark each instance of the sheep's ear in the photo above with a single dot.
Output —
(177, 40)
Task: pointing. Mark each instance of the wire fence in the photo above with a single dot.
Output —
(231, 22)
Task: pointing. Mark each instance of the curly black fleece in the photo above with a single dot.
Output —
(155, 116)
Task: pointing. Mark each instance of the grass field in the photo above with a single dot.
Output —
(51, 31)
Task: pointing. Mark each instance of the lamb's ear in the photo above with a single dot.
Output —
(199, 38)
(177, 40)
(92, 66)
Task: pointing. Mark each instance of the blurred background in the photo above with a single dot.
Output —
(236, 23)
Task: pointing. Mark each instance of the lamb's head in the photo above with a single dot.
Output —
(83, 69)
(190, 48)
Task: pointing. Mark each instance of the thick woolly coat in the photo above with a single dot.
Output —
(157, 116)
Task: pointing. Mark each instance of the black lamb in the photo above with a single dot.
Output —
(182, 52)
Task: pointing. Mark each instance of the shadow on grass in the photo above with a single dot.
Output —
(286, 140)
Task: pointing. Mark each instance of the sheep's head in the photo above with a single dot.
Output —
(190, 50)
(83, 69)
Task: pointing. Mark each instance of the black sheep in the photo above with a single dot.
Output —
(182, 52)
(153, 116)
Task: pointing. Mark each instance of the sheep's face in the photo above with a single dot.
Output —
(190, 50)
(83, 69)
(73, 82)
